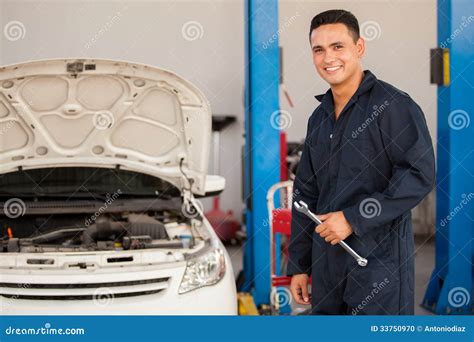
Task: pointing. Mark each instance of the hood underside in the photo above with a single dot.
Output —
(104, 113)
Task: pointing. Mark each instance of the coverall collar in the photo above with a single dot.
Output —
(367, 83)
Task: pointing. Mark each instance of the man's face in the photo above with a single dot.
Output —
(335, 54)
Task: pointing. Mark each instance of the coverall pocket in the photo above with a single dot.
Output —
(383, 239)
(373, 290)
(376, 245)
(355, 158)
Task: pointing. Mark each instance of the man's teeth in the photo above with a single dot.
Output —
(333, 68)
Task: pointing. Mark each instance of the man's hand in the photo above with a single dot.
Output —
(334, 228)
(299, 288)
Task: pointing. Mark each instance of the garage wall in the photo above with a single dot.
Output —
(210, 53)
(1, 27)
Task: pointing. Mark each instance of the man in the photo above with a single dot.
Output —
(367, 161)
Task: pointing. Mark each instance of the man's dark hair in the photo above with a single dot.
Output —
(337, 16)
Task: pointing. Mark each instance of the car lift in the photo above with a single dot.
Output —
(450, 290)
(262, 140)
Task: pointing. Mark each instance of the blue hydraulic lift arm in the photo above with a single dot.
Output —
(262, 139)
(450, 290)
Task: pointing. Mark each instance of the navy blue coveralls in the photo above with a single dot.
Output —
(375, 163)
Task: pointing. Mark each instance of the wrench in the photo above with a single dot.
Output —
(302, 207)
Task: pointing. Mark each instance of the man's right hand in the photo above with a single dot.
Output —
(299, 288)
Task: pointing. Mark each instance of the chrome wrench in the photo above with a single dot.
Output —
(302, 207)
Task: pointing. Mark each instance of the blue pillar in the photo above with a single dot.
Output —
(450, 290)
(262, 143)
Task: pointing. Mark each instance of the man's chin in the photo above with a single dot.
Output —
(334, 81)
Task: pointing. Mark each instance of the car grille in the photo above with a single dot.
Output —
(83, 291)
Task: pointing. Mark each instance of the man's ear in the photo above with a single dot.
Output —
(360, 45)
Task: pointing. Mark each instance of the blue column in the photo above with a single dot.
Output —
(450, 290)
(262, 144)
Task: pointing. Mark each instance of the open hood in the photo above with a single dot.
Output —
(104, 113)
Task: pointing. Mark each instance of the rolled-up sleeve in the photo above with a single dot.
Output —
(305, 188)
(409, 147)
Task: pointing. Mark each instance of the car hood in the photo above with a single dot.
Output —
(104, 113)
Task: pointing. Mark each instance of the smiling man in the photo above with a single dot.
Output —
(367, 161)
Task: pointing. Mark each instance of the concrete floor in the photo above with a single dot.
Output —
(424, 264)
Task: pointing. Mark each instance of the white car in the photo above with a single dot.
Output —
(101, 164)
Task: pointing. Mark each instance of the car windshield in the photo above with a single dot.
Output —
(83, 182)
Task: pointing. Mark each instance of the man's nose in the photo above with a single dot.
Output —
(329, 58)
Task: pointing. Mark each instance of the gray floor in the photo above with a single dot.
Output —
(424, 263)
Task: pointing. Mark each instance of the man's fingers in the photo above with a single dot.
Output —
(294, 292)
(323, 217)
(330, 238)
(304, 289)
(299, 290)
(325, 233)
(320, 228)
(297, 294)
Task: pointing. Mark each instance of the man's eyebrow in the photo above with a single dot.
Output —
(332, 44)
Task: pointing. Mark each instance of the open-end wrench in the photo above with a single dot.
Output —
(302, 207)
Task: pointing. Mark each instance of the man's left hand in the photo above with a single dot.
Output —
(334, 228)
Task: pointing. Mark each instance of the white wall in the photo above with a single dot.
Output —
(151, 32)
(1, 27)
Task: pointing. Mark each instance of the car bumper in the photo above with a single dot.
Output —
(217, 299)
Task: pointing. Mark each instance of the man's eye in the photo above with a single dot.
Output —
(338, 47)
(318, 51)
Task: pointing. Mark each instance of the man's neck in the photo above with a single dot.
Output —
(342, 93)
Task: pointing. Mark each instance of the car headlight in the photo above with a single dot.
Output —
(204, 270)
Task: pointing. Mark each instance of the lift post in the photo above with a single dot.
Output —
(262, 140)
(450, 290)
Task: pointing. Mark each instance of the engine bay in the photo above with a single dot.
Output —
(111, 232)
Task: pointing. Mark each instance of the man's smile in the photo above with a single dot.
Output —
(332, 69)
